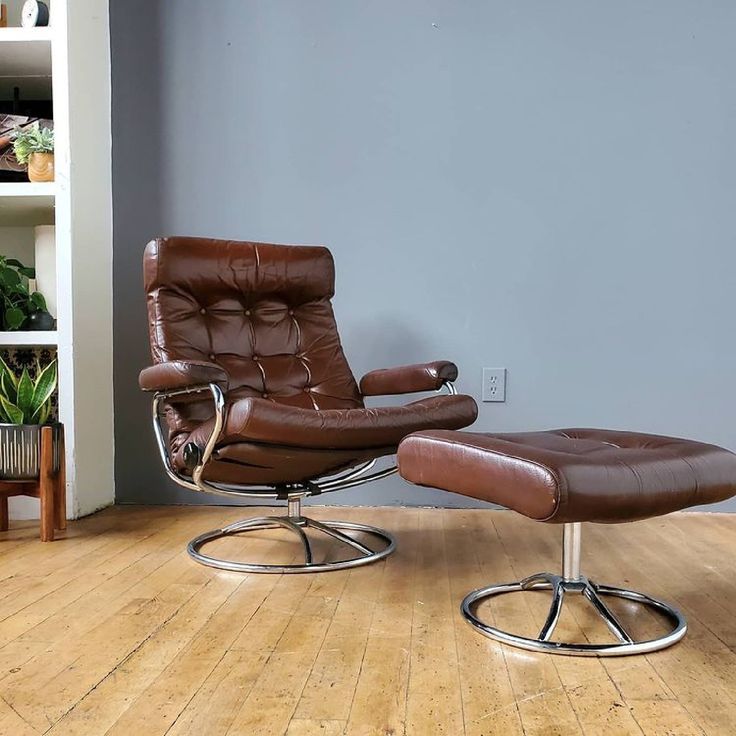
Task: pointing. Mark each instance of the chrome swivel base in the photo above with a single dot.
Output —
(297, 524)
(573, 582)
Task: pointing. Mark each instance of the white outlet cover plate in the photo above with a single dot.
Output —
(494, 384)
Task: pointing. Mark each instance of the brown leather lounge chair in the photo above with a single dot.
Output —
(257, 395)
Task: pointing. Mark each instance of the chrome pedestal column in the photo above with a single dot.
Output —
(572, 581)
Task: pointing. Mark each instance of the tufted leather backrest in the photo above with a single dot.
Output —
(260, 311)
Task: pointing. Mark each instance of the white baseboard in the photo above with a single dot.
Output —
(23, 508)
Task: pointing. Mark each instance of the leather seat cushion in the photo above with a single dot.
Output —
(249, 463)
(268, 422)
(569, 475)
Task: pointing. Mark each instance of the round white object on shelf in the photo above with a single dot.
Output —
(34, 13)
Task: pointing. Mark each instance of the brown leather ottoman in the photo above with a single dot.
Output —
(568, 476)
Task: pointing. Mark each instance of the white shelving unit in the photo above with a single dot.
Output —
(25, 56)
(69, 63)
(41, 338)
(26, 35)
(27, 189)
(28, 204)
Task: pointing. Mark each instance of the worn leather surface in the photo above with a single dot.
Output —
(261, 420)
(180, 374)
(263, 314)
(568, 475)
(407, 379)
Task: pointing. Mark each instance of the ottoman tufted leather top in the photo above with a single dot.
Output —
(568, 475)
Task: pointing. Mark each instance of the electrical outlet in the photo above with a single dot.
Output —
(494, 384)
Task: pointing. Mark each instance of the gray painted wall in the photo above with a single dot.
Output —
(545, 186)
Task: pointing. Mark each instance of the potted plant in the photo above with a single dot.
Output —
(21, 308)
(25, 405)
(34, 148)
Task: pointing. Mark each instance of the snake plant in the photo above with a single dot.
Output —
(24, 400)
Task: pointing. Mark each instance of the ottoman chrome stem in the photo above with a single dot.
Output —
(572, 536)
(572, 581)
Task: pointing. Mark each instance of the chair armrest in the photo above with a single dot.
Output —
(407, 379)
(177, 374)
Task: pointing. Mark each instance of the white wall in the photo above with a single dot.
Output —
(18, 242)
(86, 215)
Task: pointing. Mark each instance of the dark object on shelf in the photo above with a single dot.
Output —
(37, 109)
(47, 482)
(40, 321)
(3, 15)
(8, 123)
(12, 177)
(34, 13)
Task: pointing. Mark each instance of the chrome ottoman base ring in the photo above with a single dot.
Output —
(572, 581)
(561, 587)
(298, 525)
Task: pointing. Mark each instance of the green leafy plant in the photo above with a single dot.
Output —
(24, 400)
(32, 139)
(18, 302)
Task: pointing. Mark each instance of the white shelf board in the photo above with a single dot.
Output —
(19, 34)
(39, 337)
(25, 62)
(26, 203)
(27, 189)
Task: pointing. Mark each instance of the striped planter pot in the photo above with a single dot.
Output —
(20, 451)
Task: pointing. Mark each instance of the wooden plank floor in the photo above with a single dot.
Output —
(113, 630)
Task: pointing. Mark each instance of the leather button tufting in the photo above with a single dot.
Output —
(255, 357)
(203, 311)
(211, 356)
(247, 312)
(265, 396)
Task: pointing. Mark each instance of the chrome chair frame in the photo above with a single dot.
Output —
(293, 493)
(572, 581)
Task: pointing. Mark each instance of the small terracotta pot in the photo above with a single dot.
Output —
(41, 167)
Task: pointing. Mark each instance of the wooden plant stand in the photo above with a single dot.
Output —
(49, 487)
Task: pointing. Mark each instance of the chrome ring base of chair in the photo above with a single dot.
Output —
(294, 522)
(573, 582)
(297, 525)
